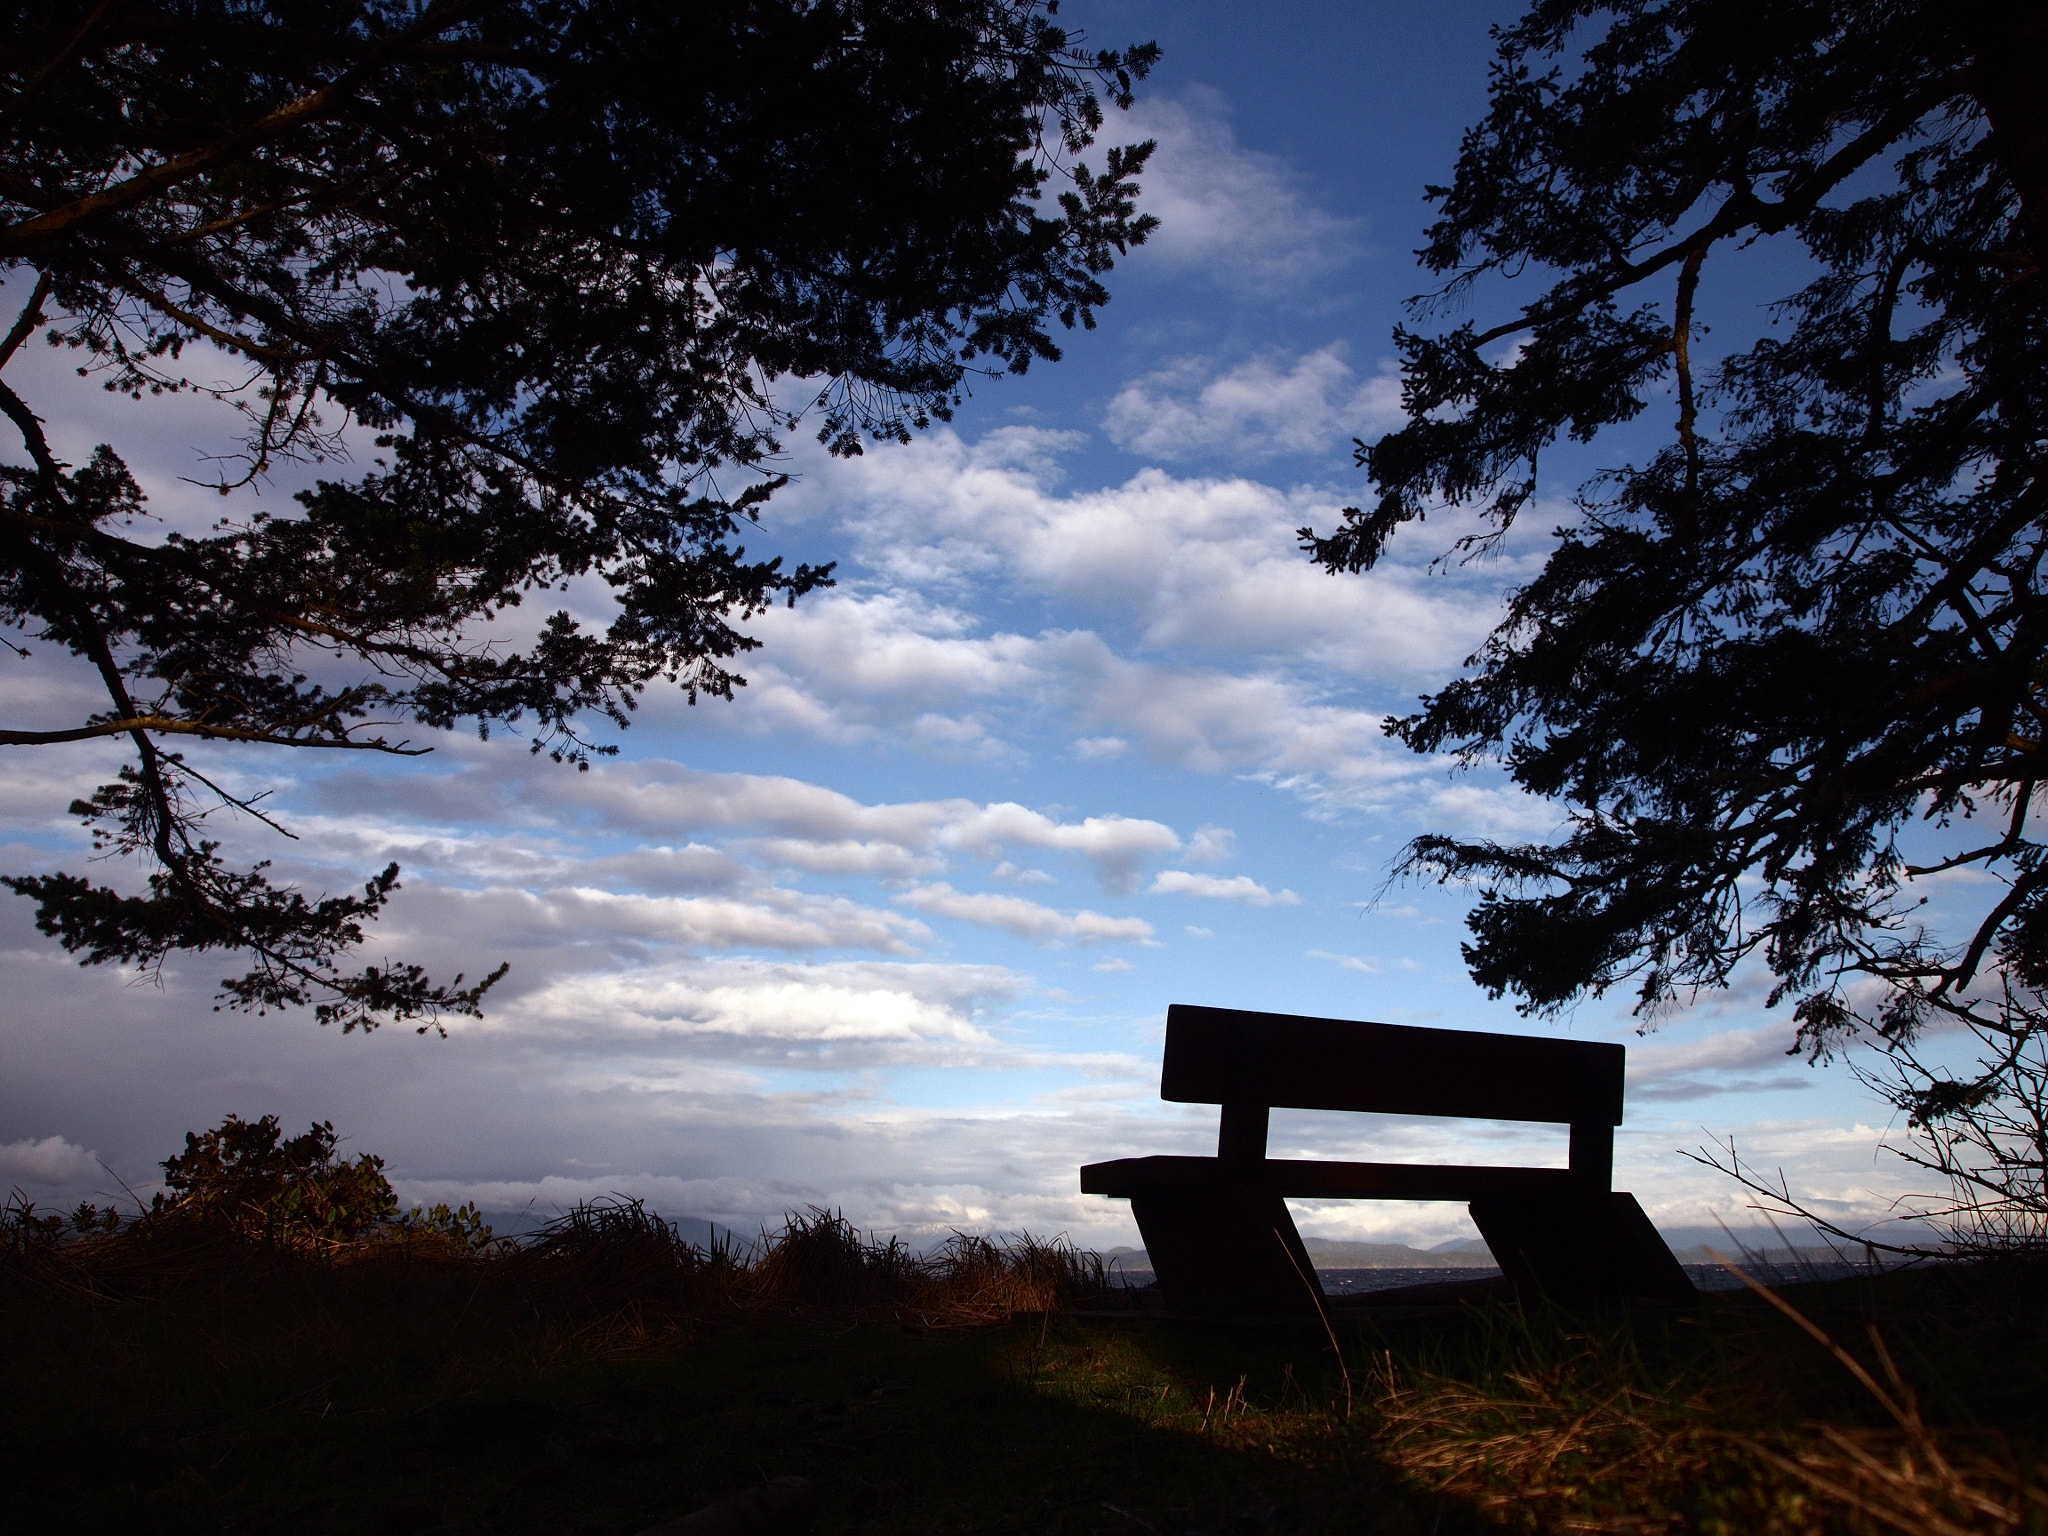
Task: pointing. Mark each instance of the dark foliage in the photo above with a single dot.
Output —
(245, 1177)
(556, 254)
(1816, 615)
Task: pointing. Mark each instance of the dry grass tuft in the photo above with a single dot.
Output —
(1030, 1274)
(1907, 1479)
(1915, 1482)
(1567, 1439)
(1548, 1429)
(609, 1259)
(819, 1258)
(606, 1254)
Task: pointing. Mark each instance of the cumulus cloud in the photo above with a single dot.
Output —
(1227, 213)
(1026, 919)
(45, 1166)
(1204, 567)
(1187, 626)
(1259, 408)
(1181, 882)
(1116, 846)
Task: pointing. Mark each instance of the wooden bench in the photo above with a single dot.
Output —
(1218, 1231)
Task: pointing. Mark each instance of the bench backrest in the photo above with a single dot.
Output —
(1285, 1061)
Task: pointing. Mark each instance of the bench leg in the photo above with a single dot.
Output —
(1226, 1249)
(1587, 1248)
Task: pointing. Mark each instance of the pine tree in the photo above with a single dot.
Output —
(580, 265)
(1796, 660)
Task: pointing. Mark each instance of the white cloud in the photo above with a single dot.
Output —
(1347, 962)
(842, 856)
(847, 670)
(1026, 919)
(1116, 846)
(762, 1013)
(1496, 810)
(1181, 882)
(1095, 749)
(784, 822)
(1197, 633)
(1213, 721)
(1227, 213)
(580, 929)
(1169, 566)
(1262, 407)
(1211, 845)
(773, 919)
(43, 1166)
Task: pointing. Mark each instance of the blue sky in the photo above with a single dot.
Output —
(1078, 735)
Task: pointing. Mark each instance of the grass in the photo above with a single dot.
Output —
(605, 1376)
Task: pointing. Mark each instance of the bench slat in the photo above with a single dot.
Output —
(1289, 1061)
(1331, 1181)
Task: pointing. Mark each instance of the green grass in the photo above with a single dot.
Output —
(613, 1381)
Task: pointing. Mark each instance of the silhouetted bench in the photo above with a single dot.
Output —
(1218, 1231)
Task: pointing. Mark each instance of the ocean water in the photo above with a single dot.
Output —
(1708, 1277)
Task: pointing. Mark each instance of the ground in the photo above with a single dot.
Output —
(236, 1388)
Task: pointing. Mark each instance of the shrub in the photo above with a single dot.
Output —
(242, 1177)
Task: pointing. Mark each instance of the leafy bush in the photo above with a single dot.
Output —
(242, 1177)
(462, 1225)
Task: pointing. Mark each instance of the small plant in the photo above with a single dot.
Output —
(90, 1220)
(23, 1232)
(462, 1225)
